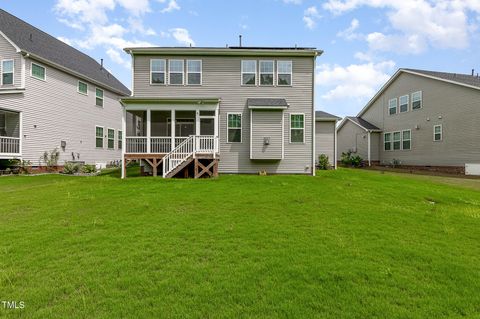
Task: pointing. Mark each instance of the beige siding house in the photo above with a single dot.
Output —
(418, 118)
(227, 110)
(325, 137)
(53, 96)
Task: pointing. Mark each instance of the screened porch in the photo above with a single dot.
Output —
(9, 133)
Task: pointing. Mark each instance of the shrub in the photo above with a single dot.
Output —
(88, 169)
(323, 162)
(51, 159)
(71, 168)
(347, 159)
(396, 162)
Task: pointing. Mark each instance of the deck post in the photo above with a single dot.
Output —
(149, 131)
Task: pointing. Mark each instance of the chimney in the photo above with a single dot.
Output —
(240, 40)
(101, 64)
(473, 72)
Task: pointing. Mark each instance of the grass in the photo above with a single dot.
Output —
(345, 244)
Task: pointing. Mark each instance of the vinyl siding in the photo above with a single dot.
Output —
(221, 79)
(53, 111)
(351, 137)
(325, 140)
(267, 124)
(7, 52)
(455, 107)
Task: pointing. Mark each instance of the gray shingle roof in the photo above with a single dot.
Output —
(456, 77)
(34, 41)
(365, 124)
(267, 103)
(324, 115)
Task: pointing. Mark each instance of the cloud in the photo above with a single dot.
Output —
(310, 16)
(292, 1)
(349, 33)
(65, 40)
(171, 6)
(182, 36)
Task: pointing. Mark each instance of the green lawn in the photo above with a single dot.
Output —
(344, 244)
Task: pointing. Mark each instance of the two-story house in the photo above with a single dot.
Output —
(200, 111)
(418, 118)
(54, 96)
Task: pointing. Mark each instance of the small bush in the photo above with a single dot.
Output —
(350, 160)
(323, 162)
(396, 162)
(51, 159)
(88, 169)
(71, 168)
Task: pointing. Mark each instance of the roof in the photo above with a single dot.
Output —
(324, 116)
(267, 103)
(170, 100)
(466, 80)
(47, 48)
(367, 126)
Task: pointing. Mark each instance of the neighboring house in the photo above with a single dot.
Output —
(54, 96)
(418, 118)
(325, 137)
(200, 111)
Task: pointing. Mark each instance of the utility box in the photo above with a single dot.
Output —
(472, 169)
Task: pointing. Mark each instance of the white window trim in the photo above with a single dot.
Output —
(201, 73)
(260, 73)
(401, 137)
(421, 100)
(408, 104)
(13, 71)
(233, 128)
(119, 139)
(391, 142)
(401, 141)
(291, 73)
(40, 65)
(164, 72)
(183, 72)
(396, 106)
(108, 138)
(102, 98)
(441, 132)
(290, 131)
(242, 73)
(78, 88)
(103, 136)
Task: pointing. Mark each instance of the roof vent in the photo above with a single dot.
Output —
(31, 37)
(473, 72)
(240, 40)
(101, 64)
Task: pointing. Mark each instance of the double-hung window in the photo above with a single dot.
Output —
(416, 100)
(38, 71)
(249, 72)
(437, 133)
(7, 72)
(403, 103)
(297, 128)
(387, 141)
(406, 139)
(157, 71)
(234, 128)
(82, 88)
(397, 138)
(266, 72)
(194, 72)
(98, 97)
(392, 106)
(175, 72)
(284, 73)
(119, 140)
(99, 137)
(111, 139)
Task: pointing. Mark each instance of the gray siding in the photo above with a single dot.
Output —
(7, 52)
(455, 107)
(351, 137)
(221, 79)
(325, 140)
(266, 124)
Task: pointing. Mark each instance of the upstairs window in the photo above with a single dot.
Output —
(284, 73)
(7, 72)
(99, 137)
(249, 72)
(99, 97)
(175, 72)
(82, 87)
(234, 128)
(437, 133)
(157, 71)
(403, 101)
(266, 72)
(194, 72)
(392, 106)
(406, 139)
(417, 100)
(111, 138)
(387, 141)
(397, 137)
(38, 71)
(297, 128)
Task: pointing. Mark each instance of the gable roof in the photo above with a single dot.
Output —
(267, 103)
(367, 126)
(324, 116)
(40, 45)
(470, 81)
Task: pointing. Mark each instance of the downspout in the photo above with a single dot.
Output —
(335, 146)
(368, 137)
(313, 114)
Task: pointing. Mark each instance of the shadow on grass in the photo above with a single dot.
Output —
(132, 171)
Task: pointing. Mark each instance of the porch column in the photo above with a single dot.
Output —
(368, 137)
(124, 139)
(215, 130)
(172, 129)
(149, 131)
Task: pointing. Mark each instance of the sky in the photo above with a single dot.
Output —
(364, 41)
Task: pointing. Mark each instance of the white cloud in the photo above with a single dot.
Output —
(292, 1)
(182, 36)
(349, 33)
(115, 56)
(171, 6)
(65, 40)
(310, 15)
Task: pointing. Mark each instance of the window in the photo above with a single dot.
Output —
(99, 137)
(82, 87)
(297, 128)
(175, 72)
(7, 72)
(234, 127)
(417, 100)
(403, 101)
(38, 71)
(194, 72)
(387, 141)
(111, 138)
(98, 97)
(392, 106)
(249, 72)
(119, 139)
(406, 139)
(266, 72)
(397, 137)
(157, 71)
(284, 73)
(437, 133)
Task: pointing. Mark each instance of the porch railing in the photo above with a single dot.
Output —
(136, 145)
(9, 145)
(163, 144)
(160, 144)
